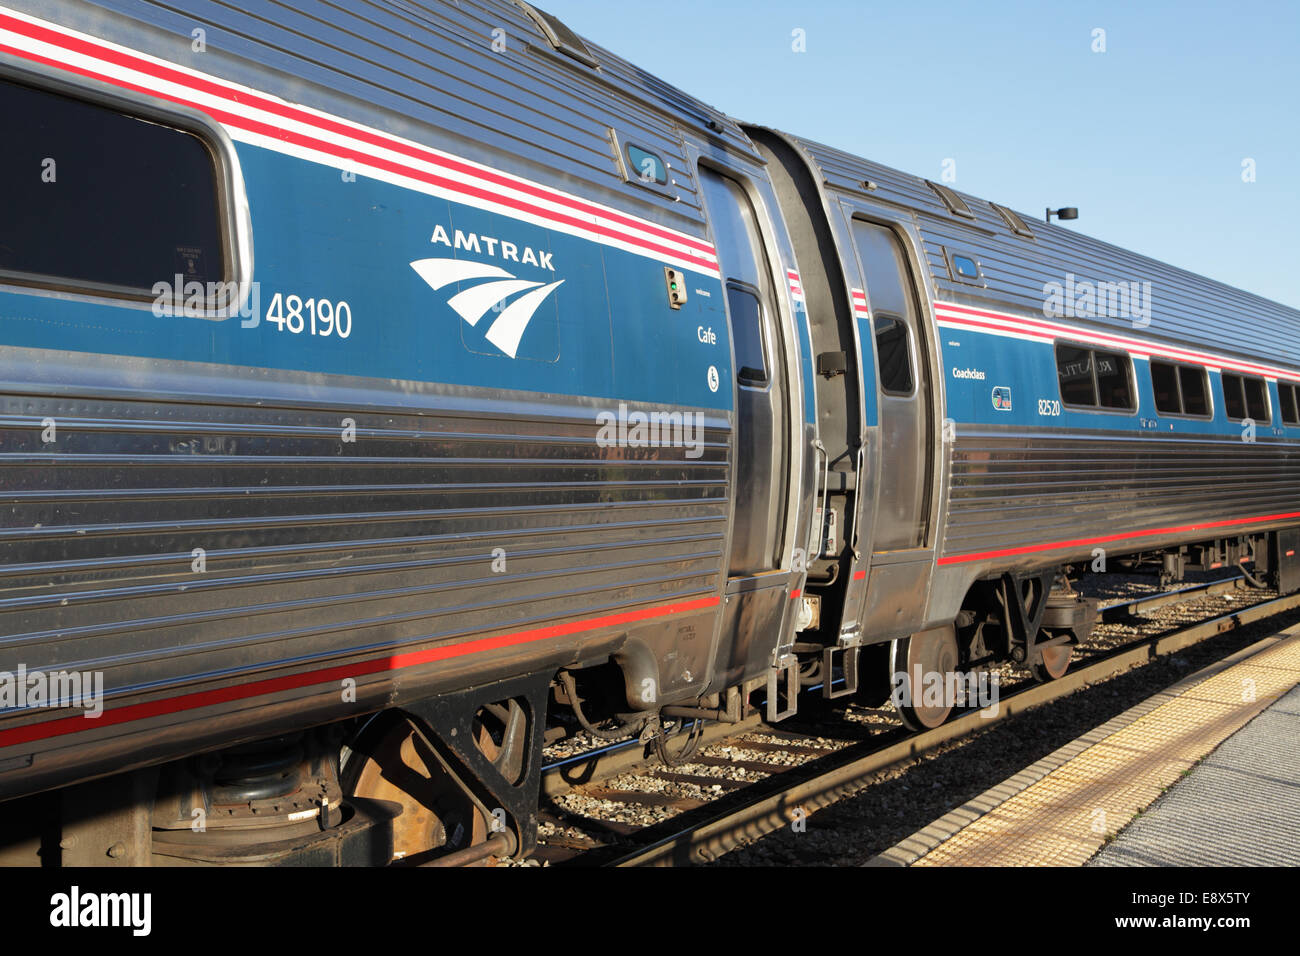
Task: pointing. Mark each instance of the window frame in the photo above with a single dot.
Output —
(628, 146)
(1099, 408)
(1178, 380)
(949, 256)
(233, 217)
(1227, 405)
(1268, 398)
(764, 345)
(621, 143)
(913, 356)
(1295, 403)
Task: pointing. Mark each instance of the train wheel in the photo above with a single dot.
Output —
(388, 761)
(1053, 663)
(934, 656)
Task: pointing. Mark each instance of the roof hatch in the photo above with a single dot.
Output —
(561, 37)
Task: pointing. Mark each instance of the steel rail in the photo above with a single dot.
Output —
(770, 811)
(602, 763)
(1114, 612)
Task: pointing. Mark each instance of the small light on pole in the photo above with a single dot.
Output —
(1065, 212)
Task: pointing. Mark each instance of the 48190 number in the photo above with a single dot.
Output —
(291, 313)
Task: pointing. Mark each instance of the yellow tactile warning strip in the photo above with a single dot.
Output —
(1061, 810)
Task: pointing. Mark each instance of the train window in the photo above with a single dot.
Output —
(1290, 407)
(1257, 399)
(964, 268)
(895, 355)
(747, 333)
(96, 200)
(1092, 378)
(1114, 388)
(1074, 369)
(1245, 396)
(956, 205)
(1180, 389)
(646, 166)
(1234, 400)
(1195, 383)
(1164, 382)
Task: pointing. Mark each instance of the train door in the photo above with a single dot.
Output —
(759, 373)
(902, 515)
(753, 625)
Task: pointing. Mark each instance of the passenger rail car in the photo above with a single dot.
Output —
(387, 388)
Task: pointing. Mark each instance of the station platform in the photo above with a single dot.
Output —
(1239, 807)
(1216, 758)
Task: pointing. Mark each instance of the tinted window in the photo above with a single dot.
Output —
(965, 267)
(1290, 409)
(1180, 389)
(1091, 377)
(1257, 399)
(747, 335)
(1114, 389)
(894, 354)
(1234, 400)
(1074, 369)
(1196, 390)
(1164, 381)
(645, 166)
(90, 196)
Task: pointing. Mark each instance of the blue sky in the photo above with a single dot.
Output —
(1147, 138)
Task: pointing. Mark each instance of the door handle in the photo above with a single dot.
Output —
(820, 526)
(857, 524)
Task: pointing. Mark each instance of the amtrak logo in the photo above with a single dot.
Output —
(493, 287)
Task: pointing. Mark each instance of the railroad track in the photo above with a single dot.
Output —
(607, 760)
(1132, 608)
(748, 780)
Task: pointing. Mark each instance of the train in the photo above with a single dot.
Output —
(391, 389)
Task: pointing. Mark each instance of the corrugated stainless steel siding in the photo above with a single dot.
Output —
(1186, 308)
(1016, 489)
(427, 71)
(317, 548)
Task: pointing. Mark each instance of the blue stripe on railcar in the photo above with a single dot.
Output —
(806, 361)
(870, 403)
(998, 380)
(606, 332)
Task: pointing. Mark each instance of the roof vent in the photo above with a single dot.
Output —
(956, 205)
(1013, 221)
(560, 36)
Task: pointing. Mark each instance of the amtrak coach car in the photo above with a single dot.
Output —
(390, 388)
